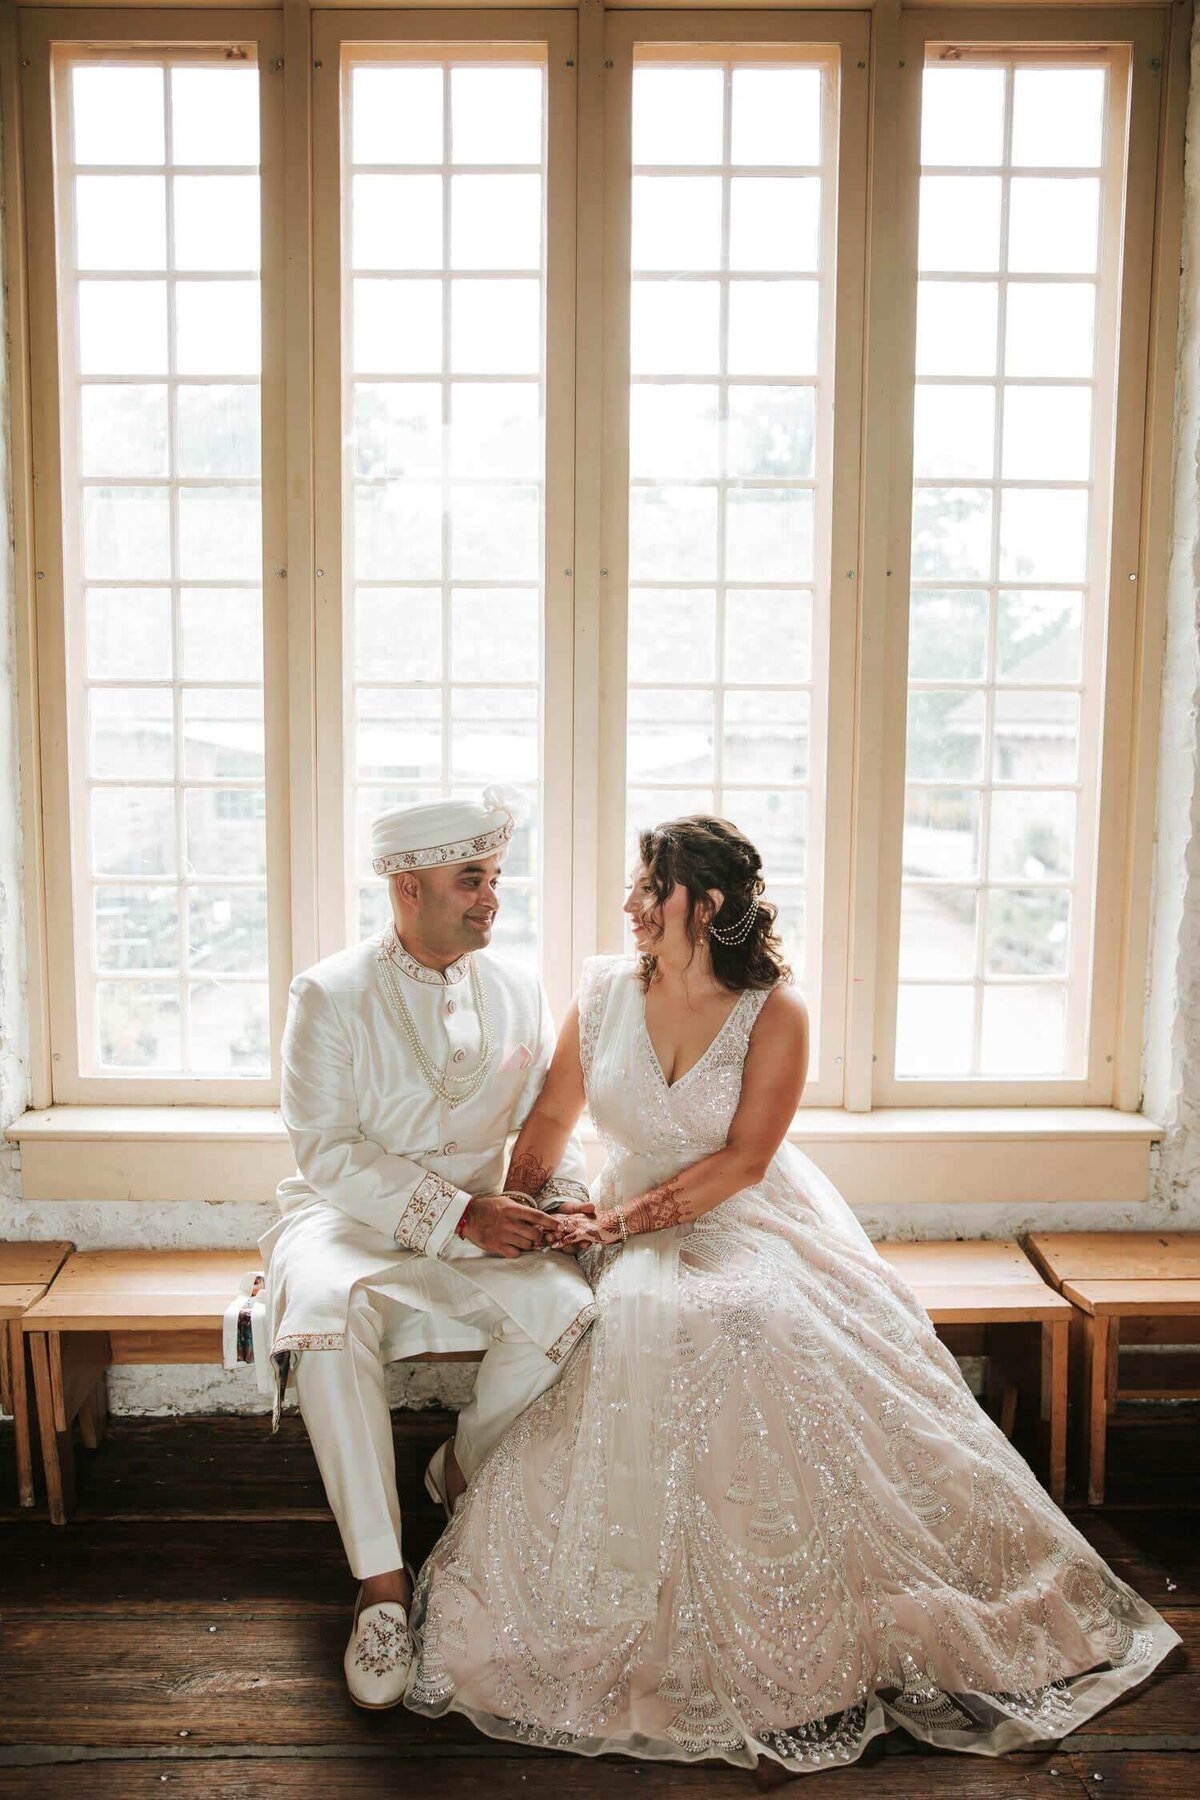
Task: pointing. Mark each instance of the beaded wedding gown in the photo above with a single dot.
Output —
(761, 1514)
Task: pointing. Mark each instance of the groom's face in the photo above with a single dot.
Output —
(451, 910)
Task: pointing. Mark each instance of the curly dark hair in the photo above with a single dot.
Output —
(698, 853)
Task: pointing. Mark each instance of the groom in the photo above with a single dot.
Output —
(407, 1062)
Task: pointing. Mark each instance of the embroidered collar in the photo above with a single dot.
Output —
(417, 971)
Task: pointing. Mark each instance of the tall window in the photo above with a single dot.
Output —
(731, 347)
(1015, 375)
(444, 363)
(158, 184)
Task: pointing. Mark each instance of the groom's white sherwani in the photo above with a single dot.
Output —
(366, 1248)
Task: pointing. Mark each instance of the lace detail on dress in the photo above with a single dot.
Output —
(594, 982)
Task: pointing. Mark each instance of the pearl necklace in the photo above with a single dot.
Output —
(451, 1090)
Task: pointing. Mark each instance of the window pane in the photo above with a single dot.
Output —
(444, 398)
(1003, 729)
(729, 461)
(160, 391)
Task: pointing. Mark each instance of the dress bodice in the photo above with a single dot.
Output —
(632, 1105)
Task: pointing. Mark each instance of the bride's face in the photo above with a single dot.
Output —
(659, 928)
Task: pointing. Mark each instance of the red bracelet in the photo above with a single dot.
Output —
(460, 1228)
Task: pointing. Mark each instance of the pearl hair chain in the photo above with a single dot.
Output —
(731, 935)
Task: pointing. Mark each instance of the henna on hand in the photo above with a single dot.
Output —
(656, 1210)
(527, 1172)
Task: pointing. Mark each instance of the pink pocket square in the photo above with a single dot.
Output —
(519, 1058)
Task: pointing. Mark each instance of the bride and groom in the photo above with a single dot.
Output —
(720, 1491)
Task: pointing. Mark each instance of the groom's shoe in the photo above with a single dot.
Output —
(436, 1479)
(379, 1655)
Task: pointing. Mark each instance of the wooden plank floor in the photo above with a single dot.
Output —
(185, 1633)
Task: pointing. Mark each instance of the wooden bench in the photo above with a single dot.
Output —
(1132, 1288)
(26, 1271)
(974, 1292)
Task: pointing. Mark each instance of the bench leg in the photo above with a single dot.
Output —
(58, 1456)
(93, 1416)
(1055, 1337)
(1095, 1416)
(18, 1371)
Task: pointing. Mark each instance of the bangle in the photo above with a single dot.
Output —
(624, 1229)
(460, 1230)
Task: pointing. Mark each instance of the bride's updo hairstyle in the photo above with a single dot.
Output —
(699, 853)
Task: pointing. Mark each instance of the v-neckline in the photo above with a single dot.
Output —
(670, 1086)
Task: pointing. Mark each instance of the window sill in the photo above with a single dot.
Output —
(896, 1156)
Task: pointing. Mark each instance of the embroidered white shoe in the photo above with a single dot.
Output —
(379, 1655)
(435, 1477)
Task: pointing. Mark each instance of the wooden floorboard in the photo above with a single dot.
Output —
(185, 1633)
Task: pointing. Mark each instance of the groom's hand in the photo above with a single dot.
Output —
(504, 1227)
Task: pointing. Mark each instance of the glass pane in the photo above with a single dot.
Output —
(952, 533)
(396, 115)
(398, 634)
(1035, 735)
(397, 428)
(672, 631)
(220, 535)
(216, 222)
(1053, 224)
(774, 222)
(1023, 1030)
(123, 430)
(214, 115)
(225, 830)
(120, 222)
(137, 1025)
(129, 634)
(496, 115)
(776, 117)
(223, 733)
(772, 328)
(495, 327)
(962, 117)
(945, 734)
(131, 734)
(1032, 836)
(136, 928)
(494, 634)
(1047, 434)
(768, 630)
(497, 428)
(937, 931)
(1039, 637)
(790, 927)
(674, 430)
(117, 115)
(217, 327)
(959, 223)
(933, 1030)
(230, 1028)
(766, 736)
(495, 533)
(956, 327)
(397, 327)
(776, 822)
(396, 222)
(122, 327)
(1049, 328)
(769, 534)
(954, 432)
(674, 328)
(1043, 534)
(670, 735)
(126, 533)
(677, 116)
(1058, 118)
(515, 933)
(133, 831)
(217, 429)
(398, 532)
(676, 222)
(1027, 931)
(672, 533)
(947, 635)
(399, 736)
(771, 431)
(227, 930)
(941, 833)
(221, 634)
(496, 221)
(493, 735)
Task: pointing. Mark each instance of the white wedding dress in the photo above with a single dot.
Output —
(761, 1514)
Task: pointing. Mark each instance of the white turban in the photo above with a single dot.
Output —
(444, 832)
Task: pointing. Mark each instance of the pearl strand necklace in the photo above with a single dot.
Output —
(451, 1090)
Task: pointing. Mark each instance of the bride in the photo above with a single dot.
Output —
(761, 1514)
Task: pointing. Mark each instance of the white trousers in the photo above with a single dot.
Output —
(344, 1405)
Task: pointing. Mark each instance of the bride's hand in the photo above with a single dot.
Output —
(581, 1233)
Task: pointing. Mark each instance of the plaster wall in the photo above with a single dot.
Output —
(1172, 1040)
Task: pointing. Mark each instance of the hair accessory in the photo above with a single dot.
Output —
(731, 935)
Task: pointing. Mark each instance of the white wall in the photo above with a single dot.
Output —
(1172, 1061)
